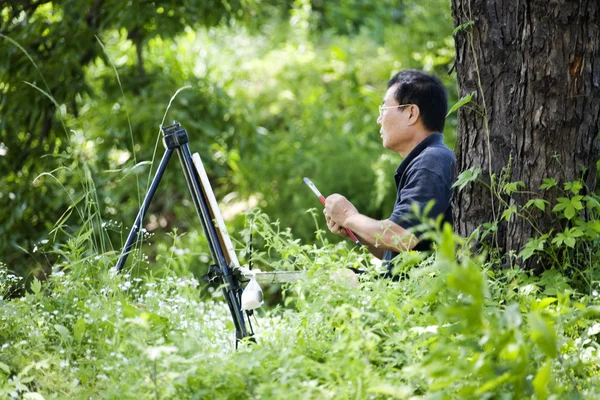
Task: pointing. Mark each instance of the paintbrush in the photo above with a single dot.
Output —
(320, 196)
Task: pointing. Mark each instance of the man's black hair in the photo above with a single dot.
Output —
(427, 92)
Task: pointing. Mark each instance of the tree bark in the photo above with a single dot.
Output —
(535, 65)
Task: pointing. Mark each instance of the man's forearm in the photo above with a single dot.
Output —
(379, 236)
(376, 251)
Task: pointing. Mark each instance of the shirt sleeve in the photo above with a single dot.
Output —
(421, 186)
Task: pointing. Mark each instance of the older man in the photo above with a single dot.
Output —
(412, 120)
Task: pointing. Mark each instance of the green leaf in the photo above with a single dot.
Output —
(548, 183)
(467, 176)
(463, 27)
(576, 232)
(594, 226)
(493, 383)
(508, 213)
(448, 245)
(33, 396)
(592, 203)
(569, 212)
(4, 368)
(563, 203)
(538, 203)
(541, 382)
(568, 237)
(591, 312)
(339, 53)
(532, 245)
(36, 286)
(568, 206)
(542, 334)
(64, 332)
(512, 315)
(574, 187)
(79, 330)
(511, 187)
(392, 391)
(540, 305)
(569, 241)
(464, 100)
(558, 240)
(576, 202)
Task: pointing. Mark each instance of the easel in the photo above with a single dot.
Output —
(176, 139)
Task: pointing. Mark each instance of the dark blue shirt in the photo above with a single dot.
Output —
(426, 174)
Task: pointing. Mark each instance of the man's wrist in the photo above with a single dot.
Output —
(351, 221)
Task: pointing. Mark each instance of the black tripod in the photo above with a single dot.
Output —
(176, 138)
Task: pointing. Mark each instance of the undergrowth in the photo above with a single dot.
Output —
(454, 329)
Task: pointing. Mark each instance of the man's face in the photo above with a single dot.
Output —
(393, 119)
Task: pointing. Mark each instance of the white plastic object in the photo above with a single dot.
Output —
(252, 296)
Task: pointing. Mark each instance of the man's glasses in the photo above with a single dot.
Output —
(382, 108)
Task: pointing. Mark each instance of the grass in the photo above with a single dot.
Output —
(454, 329)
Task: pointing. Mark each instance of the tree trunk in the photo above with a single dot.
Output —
(535, 65)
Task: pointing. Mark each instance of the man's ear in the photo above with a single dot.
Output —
(414, 115)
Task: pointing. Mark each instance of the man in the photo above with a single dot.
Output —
(411, 118)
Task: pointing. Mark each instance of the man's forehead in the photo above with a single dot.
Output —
(389, 94)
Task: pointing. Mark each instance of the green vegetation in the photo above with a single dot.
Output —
(276, 92)
(265, 107)
(455, 328)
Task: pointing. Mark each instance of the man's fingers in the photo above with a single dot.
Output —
(337, 228)
(334, 228)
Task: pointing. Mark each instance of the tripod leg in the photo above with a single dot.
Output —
(231, 288)
(140, 217)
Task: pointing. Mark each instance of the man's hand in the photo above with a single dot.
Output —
(337, 210)
(335, 228)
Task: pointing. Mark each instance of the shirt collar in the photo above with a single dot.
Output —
(434, 138)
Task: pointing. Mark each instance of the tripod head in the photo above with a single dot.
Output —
(174, 136)
(174, 127)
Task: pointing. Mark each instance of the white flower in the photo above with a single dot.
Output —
(594, 329)
(588, 355)
(428, 329)
(154, 353)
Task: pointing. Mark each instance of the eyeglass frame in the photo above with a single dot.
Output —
(383, 108)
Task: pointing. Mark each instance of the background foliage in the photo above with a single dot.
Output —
(276, 92)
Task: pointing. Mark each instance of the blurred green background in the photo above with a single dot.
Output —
(277, 91)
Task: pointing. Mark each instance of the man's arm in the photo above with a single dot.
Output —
(382, 235)
(340, 231)
(377, 235)
(375, 251)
